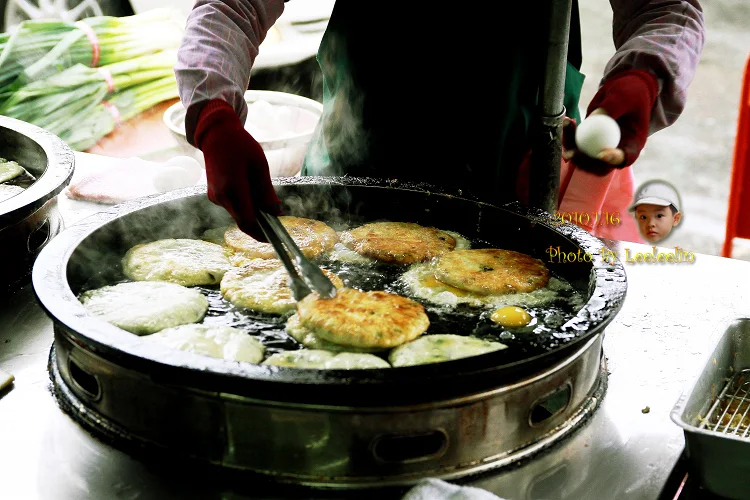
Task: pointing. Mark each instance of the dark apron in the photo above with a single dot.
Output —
(426, 94)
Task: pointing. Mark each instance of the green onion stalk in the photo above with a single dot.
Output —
(38, 49)
(38, 101)
(89, 124)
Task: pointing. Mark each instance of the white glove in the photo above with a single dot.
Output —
(436, 489)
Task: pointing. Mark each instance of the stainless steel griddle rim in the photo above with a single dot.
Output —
(50, 283)
(57, 175)
(678, 411)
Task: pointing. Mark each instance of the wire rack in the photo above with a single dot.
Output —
(730, 413)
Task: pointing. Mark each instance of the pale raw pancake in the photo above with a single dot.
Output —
(307, 338)
(211, 340)
(185, 262)
(438, 348)
(325, 360)
(8, 191)
(398, 242)
(354, 318)
(263, 285)
(9, 170)
(355, 361)
(491, 271)
(303, 358)
(313, 238)
(144, 307)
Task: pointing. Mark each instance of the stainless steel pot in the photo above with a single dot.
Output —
(29, 220)
(326, 427)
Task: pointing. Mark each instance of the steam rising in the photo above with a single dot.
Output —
(343, 132)
(319, 205)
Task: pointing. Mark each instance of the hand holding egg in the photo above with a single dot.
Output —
(597, 133)
(598, 137)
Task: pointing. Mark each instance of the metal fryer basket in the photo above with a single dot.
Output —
(714, 413)
(729, 413)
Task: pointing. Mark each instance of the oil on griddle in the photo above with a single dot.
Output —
(540, 335)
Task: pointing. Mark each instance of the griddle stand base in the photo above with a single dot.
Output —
(168, 463)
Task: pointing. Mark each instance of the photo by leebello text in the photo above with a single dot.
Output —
(560, 257)
(679, 256)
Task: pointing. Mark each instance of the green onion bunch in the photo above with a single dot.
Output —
(51, 75)
(40, 48)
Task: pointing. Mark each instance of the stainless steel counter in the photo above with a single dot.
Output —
(671, 317)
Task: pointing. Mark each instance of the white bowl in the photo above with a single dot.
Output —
(286, 152)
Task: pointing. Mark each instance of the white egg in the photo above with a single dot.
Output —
(595, 133)
(170, 177)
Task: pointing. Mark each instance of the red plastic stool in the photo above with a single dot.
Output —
(738, 216)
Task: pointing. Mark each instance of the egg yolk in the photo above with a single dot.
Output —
(511, 317)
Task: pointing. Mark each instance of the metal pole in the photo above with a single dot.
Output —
(546, 152)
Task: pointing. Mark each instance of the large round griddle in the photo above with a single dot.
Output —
(88, 255)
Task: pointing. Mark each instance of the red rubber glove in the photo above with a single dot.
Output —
(236, 167)
(628, 97)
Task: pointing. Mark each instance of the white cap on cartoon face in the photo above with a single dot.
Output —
(658, 193)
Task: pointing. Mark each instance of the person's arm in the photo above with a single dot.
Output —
(217, 52)
(213, 67)
(644, 88)
(662, 37)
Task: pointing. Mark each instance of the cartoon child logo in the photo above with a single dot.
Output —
(656, 208)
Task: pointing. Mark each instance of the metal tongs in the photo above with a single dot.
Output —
(312, 278)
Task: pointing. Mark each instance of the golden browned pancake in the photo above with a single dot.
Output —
(307, 338)
(311, 236)
(363, 319)
(263, 285)
(491, 271)
(398, 242)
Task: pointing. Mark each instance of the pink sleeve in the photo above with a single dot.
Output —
(218, 49)
(665, 37)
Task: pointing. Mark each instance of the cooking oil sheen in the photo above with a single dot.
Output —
(451, 311)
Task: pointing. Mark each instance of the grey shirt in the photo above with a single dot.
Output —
(222, 37)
